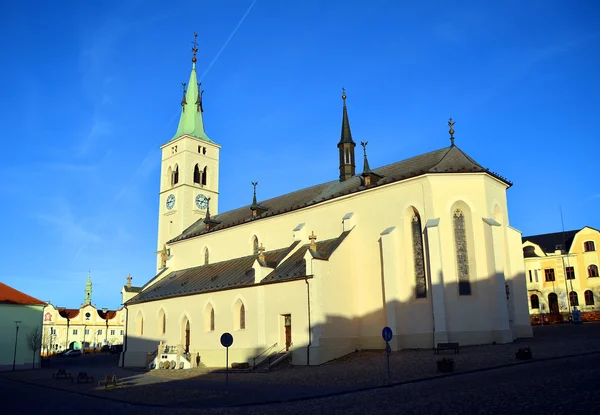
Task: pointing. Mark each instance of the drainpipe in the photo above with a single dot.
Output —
(309, 328)
(125, 342)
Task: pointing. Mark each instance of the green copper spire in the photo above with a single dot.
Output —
(88, 290)
(190, 121)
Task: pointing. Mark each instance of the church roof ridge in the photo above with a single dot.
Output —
(445, 160)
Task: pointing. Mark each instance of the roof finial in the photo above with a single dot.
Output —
(254, 198)
(451, 125)
(195, 48)
(129, 278)
(261, 252)
(344, 95)
(183, 100)
(207, 218)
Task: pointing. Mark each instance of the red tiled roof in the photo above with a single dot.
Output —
(110, 314)
(9, 295)
(68, 312)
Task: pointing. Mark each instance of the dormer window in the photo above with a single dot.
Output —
(589, 246)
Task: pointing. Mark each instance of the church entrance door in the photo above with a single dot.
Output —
(187, 337)
(288, 331)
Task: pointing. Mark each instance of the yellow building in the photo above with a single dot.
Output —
(562, 273)
(83, 327)
(423, 246)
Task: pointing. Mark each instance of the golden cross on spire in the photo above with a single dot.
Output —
(195, 48)
(313, 238)
(451, 125)
(129, 278)
(261, 252)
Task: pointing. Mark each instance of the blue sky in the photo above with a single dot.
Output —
(90, 90)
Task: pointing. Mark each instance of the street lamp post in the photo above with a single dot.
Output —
(17, 323)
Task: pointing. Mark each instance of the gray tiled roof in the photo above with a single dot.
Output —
(237, 272)
(446, 160)
(550, 242)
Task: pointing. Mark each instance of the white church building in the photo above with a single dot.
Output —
(423, 245)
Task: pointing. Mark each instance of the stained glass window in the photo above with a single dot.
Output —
(462, 253)
(418, 257)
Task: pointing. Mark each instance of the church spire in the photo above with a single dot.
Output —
(346, 145)
(88, 290)
(190, 121)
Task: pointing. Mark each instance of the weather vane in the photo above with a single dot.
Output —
(451, 125)
(364, 146)
(195, 48)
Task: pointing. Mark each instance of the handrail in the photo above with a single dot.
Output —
(281, 351)
(263, 352)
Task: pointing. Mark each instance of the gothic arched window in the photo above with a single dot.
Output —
(573, 298)
(255, 245)
(462, 253)
(196, 174)
(535, 301)
(162, 322)
(209, 318)
(418, 256)
(176, 175)
(242, 317)
(239, 315)
(204, 176)
(589, 297)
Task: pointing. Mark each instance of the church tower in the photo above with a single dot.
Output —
(189, 169)
(346, 146)
(88, 291)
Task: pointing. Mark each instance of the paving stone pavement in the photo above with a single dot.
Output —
(363, 369)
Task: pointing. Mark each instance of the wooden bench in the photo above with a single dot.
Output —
(110, 380)
(83, 377)
(61, 374)
(447, 346)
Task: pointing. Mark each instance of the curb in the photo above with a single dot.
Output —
(317, 396)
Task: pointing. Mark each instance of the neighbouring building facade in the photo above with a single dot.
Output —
(423, 246)
(83, 327)
(20, 328)
(562, 274)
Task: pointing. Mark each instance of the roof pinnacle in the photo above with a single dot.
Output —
(451, 125)
(344, 96)
(254, 198)
(366, 168)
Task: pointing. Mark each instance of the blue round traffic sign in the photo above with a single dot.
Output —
(387, 334)
(226, 339)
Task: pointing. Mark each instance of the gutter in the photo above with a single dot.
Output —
(309, 327)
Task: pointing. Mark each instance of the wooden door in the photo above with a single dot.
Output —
(187, 337)
(288, 332)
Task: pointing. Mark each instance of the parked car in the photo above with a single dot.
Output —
(73, 353)
(62, 353)
(116, 348)
(105, 348)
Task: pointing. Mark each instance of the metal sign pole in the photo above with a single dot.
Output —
(226, 367)
(388, 349)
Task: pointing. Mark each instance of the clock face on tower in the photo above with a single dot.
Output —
(201, 202)
(170, 202)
